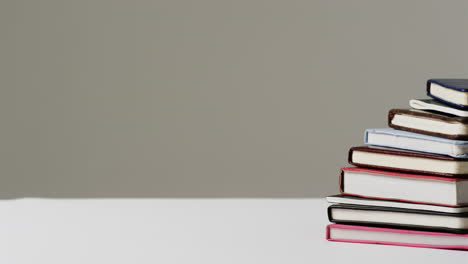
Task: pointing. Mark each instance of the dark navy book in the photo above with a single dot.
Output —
(453, 92)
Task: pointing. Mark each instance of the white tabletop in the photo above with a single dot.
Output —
(185, 231)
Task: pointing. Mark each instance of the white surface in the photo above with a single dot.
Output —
(186, 231)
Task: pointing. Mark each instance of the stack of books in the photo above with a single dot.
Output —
(409, 186)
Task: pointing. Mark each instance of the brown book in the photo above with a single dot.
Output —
(408, 161)
(429, 123)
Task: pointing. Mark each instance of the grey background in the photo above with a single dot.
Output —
(207, 98)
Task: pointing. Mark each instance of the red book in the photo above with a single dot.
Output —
(415, 188)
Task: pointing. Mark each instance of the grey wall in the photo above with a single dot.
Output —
(207, 98)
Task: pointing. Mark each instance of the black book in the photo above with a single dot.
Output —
(377, 216)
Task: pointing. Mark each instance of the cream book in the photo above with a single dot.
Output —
(429, 123)
(408, 161)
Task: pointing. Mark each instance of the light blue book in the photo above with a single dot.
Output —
(389, 137)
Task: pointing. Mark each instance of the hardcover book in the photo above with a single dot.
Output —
(434, 105)
(398, 218)
(429, 123)
(414, 188)
(408, 161)
(356, 200)
(453, 92)
(396, 237)
(389, 137)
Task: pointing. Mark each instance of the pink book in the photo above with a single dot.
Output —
(396, 237)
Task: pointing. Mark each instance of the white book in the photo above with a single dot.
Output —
(393, 138)
(404, 187)
(431, 104)
(408, 161)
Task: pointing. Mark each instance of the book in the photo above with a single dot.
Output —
(453, 92)
(398, 218)
(355, 200)
(396, 237)
(393, 138)
(413, 188)
(434, 105)
(429, 123)
(408, 161)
